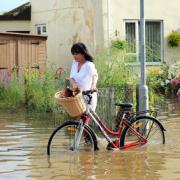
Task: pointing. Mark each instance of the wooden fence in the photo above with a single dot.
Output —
(106, 99)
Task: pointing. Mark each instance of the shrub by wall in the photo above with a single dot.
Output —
(174, 39)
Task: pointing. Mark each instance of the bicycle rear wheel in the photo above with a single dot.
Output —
(148, 127)
(62, 139)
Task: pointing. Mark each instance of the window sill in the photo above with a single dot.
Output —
(147, 64)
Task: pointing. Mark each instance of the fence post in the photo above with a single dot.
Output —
(128, 94)
(137, 97)
(111, 105)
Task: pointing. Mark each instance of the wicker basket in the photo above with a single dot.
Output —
(74, 106)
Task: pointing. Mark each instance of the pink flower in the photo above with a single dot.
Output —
(175, 81)
(178, 92)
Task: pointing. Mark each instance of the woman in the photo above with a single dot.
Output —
(83, 72)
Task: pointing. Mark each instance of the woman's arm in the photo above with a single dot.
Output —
(94, 82)
(73, 84)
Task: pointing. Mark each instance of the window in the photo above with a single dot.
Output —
(153, 41)
(41, 29)
(132, 37)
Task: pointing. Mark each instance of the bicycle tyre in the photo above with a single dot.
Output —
(152, 131)
(62, 137)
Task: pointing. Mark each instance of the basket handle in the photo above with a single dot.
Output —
(56, 94)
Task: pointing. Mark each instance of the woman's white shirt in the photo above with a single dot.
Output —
(83, 77)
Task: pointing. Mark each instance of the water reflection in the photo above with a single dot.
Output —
(23, 140)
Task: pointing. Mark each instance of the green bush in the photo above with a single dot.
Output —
(174, 39)
(118, 44)
(157, 79)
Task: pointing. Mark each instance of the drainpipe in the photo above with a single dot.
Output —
(143, 89)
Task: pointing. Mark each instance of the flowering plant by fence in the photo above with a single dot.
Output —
(174, 71)
(174, 77)
(5, 76)
(175, 81)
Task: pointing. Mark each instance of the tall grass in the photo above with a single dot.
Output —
(115, 71)
(37, 89)
(34, 92)
(12, 94)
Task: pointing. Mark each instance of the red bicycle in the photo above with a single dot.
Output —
(78, 135)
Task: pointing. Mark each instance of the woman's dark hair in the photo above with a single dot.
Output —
(81, 48)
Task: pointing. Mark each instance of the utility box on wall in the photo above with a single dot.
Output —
(20, 51)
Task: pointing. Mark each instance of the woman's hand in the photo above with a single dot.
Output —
(93, 87)
(73, 84)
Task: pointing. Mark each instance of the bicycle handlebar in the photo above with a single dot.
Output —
(88, 92)
(89, 95)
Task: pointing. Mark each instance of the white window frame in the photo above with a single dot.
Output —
(136, 34)
(41, 26)
(137, 40)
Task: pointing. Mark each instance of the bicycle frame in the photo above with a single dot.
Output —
(91, 114)
(132, 130)
(78, 135)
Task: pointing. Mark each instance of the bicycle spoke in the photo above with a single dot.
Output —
(143, 130)
(151, 135)
(65, 139)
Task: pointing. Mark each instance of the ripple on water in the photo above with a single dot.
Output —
(23, 156)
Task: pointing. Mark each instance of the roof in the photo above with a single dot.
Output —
(22, 12)
(22, 35)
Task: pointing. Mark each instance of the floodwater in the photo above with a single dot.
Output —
(23, 140)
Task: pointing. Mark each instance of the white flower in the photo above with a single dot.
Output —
(162, 83)
(167, 81)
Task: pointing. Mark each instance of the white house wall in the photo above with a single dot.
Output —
(67, 22)
(14, 26)
(71, 21)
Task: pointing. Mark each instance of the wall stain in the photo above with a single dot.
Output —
(75, 38)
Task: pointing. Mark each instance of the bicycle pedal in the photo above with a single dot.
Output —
(109, 147)
(112, 149)
(72, 148)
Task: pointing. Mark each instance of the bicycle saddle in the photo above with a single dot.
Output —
(124, 105)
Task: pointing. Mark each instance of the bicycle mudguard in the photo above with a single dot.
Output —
(158, 122)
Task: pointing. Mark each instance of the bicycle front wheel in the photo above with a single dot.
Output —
(63, 138)
(143, 129)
